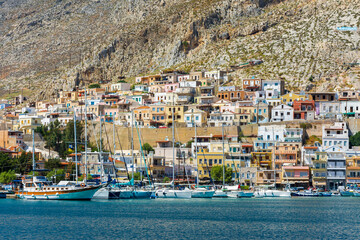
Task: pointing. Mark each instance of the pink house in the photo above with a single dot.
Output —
(171, 87)
(112, 111)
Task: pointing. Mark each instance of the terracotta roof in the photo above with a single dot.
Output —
(143, 107)
(311, 147)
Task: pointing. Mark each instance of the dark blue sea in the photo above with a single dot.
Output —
(295, 218)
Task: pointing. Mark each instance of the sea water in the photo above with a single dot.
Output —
(293, 218)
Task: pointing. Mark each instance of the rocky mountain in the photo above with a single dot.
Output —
(47, 45)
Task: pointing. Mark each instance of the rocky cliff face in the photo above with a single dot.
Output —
(47, 45)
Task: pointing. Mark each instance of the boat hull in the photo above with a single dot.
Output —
(173, 194)
(220, 194)
(346, 194)
(136, 194)
(272, 193)
(356, 194)
(202, 194)
(245, 194)
(79, 194)
(300, 194)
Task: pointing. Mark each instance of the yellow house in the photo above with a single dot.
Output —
(262, 158)
(178, 113)
(206, 160)
(318, 170)
(27, 123)
(291, 97)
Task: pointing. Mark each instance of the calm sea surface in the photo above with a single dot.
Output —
(296, 218)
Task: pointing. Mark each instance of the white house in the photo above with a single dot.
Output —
(278, 85)
(282, 113)
(218, 119)
(195, 116)
(350, 107)
(268, 135)
(335, 135)
(164, 97)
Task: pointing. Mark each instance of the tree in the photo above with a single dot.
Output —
(355, 139)
(188, 144)
(312, 139)
(52, 164)
(94, 85)
(6, 163)
(147, 148)
(23, 163)
(137, 176)
(166, 179)
(81, 178)
(58, 173)
(217, 174)
(7, 177)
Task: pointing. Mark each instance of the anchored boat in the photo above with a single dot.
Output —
(39, 188)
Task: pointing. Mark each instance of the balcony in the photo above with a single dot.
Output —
(334, 167)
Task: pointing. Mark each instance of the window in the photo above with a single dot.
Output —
(220, 161)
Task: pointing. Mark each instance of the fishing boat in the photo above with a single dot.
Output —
(39, 188)
(305, 193)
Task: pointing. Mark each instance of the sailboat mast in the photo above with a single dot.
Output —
(132, 145)
(196, 160)
(76, 158)
(273, 158)
(86, 168)
(100, 149)
(223, 150)
(173, 143)
(114, 146)
(240, 162)
(33, 152)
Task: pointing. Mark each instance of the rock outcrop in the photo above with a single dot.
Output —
(50, 45)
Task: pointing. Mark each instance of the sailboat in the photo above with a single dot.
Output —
(39, 188)
(173, 193)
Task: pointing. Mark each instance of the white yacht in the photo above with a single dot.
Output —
(172, 193)
(259, 193)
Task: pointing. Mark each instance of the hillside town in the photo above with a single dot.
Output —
(259, 131)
